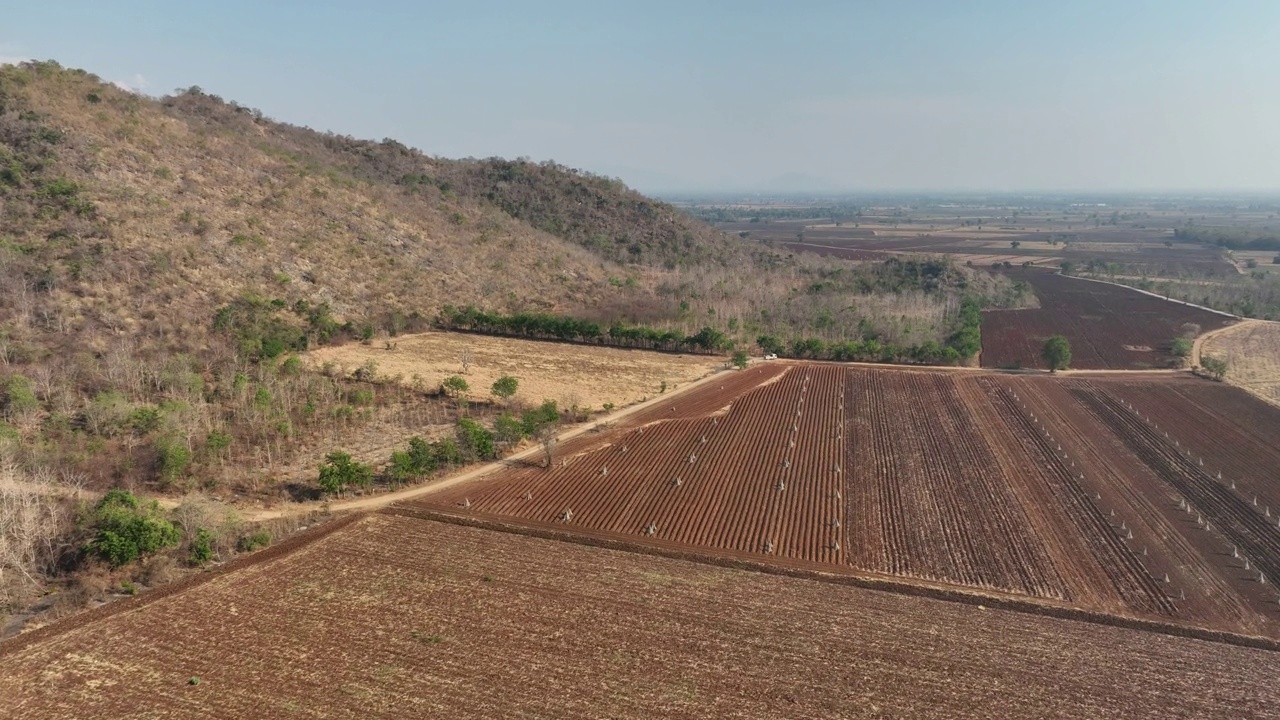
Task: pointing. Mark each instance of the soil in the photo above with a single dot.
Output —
(399, 617)
(1108, 326)
(1047, 488)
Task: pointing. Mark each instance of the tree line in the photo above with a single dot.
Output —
(961, 346)
(546, 326)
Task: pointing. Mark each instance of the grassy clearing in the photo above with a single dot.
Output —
(572, 375)
(1252, 352)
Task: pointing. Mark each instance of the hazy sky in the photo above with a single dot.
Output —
(734, 94)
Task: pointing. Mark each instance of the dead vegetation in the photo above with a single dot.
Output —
(575, 376)
(1252, 353)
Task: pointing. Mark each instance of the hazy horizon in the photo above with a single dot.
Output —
(725, 97)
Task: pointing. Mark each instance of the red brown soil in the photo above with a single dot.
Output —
(1021, 486)
(1109, 327)
(399, 617)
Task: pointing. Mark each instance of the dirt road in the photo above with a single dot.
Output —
(1198, 345)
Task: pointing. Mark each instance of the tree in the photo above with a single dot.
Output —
(1057, 353)
(505, 387)
(201, 548)
(127, 529)
(1215, 367)
(508, 430)
(339, 472)
(18, 397)
(455, 386)
(466, 358)
(771, 345)
(475, 441)
(541, 424)
(740, 359)
(1180, 347)
(1015, 244)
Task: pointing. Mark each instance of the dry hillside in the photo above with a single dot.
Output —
(164, 258)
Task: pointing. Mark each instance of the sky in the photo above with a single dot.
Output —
(733, 95)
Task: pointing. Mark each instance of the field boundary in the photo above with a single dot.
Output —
(795, 569)
(274, 552)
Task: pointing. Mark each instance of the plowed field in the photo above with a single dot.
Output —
(1048, 489)
(1109, 327)
(392, 617)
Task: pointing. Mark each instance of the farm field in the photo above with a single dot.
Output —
(1252, 353)
(1053, 490)
(1041, 241)
(391, 616)
(580, 375)
(1109, 327)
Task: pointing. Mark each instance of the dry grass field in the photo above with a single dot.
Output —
(1252, 352)
(585, 376)
(391, 616)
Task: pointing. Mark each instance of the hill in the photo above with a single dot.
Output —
(164, 257)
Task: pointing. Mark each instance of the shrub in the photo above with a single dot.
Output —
(201, 547)
(422, 456)
(125, 529)
(217, 441)
(475, 441)
(172, 457)
(544, 416)
(145, 419)
(19, 397)
(508, 429)
(339, 472)
(455, 385)
(505, 387)
(402, 467)
(254, 541)
(291, 367)
(1215, 367)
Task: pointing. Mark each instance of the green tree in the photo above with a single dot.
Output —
(504, 388)
(771, 345)
(201, 547)
(402, 467)
(536, 420)
(1180, 347)
(126, 529)
(740, 359)
(455, 386)
(172, 457)
(423, 458)
(508, 430)
(1057, 353)
(475, 441)
(339, 472)
(1215, 367)
(18, 397)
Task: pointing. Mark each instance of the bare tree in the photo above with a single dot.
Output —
(547, 438)
(35, 521)
(466, 358)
